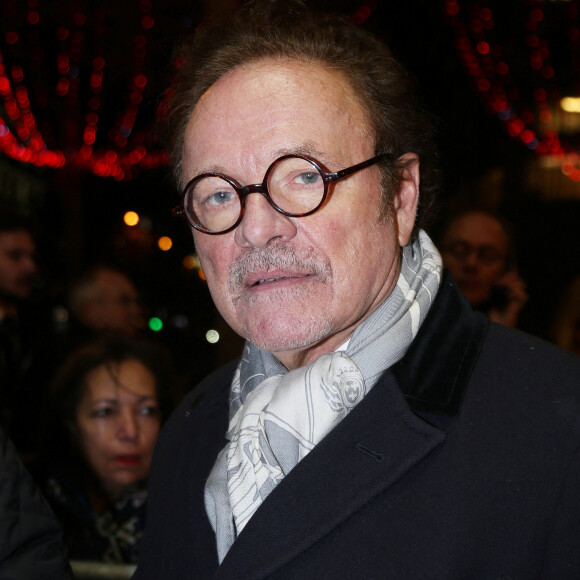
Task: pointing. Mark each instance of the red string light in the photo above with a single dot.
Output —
(75, 89)
(364, 12)
(525, 108)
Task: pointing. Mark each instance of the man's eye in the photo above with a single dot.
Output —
(219, 197)
(489, 256)
(458, 250)
(16, 255)
(307, 178)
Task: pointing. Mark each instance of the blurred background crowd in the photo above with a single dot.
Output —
(105, 317)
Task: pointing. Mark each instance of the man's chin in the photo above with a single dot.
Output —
(286, 331)
(474, 294)
(16, 295)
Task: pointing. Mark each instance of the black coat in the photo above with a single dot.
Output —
(31, 544)
(461, 463)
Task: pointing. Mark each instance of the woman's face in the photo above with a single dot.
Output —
(118, 421)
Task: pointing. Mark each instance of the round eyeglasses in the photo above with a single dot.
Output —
(294, 185)
(485, 254)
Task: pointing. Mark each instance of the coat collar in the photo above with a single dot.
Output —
(435, 371)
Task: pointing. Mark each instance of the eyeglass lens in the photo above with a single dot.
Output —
(461, 251)
(294, 185)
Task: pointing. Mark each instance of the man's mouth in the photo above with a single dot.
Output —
(252, 282)
(269, 280)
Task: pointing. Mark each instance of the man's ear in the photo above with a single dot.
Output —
(407, 198)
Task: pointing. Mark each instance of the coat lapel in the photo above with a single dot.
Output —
(375, 445)
(203, 438)
(436, 368)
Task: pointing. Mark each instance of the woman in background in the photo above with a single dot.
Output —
(110, 399)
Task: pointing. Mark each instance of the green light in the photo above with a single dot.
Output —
(155, 324)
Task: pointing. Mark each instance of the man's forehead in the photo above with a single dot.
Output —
(477, 227)
(288, 74)
(20, 240)
(260, 111)
(115, 281)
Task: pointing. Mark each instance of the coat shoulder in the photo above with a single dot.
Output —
(531, 380)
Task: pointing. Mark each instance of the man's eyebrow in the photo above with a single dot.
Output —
(326, 158)
(214, 168)
(303, 149)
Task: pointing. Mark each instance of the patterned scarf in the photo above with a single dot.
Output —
(277, 417)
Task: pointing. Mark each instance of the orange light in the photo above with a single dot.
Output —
(165, 243)
(131, 218)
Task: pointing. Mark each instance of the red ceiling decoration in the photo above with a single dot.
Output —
(78, 85)
(524, 57)
(80, 80)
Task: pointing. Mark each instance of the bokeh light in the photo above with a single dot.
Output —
(212, 336)
(131, 218)
(165, 243)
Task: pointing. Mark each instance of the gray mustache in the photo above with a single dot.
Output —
(277, 256)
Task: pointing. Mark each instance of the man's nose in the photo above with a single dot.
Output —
(471, 260)
(29, 264)
(262, 223)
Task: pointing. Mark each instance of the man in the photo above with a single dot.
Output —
(477, 248)
(377, 427)
(105, 299)
(18, 266)
(18, 270)
(100, 300)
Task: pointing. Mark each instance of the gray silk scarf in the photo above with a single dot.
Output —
(277, 417)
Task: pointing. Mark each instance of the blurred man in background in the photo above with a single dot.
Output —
(104, 298)
(477, 248)
(18, 270)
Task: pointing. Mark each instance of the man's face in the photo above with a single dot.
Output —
(17, 264)
(115, 304)
(296, 287)
(474, 248)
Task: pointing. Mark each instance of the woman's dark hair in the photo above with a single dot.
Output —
(70, 381)
(290, 30)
